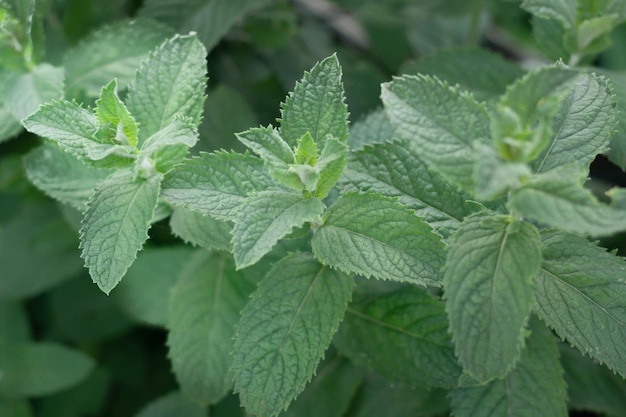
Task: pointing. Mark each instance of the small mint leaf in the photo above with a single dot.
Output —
(330, 165)
(306, 152)
(119, 126)
(167, 147)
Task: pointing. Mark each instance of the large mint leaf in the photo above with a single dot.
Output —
(203, 310)
(491, 262)
(216, 184)
(397, 170)
(33, 369)
(583, 125)
(116, 225)
(285, 329)
(107, 53)
(201, 230)
(316, 105)
(372, 235)
(373, 128)
(421, 107)
(171, 81)
(210, 19)
(67, 123)
(534, 388)
(562, 10)
(266, 217)
(581, 294)
(403, 335)
(61, 176)
(557, 198)
(25, 92)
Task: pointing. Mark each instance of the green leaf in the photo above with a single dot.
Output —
(201, 230)
(210, 19)
(266, 217)
(581, 294)
(374, 128)
(62, 176)
(557, 198)
(119, 126)
(203, 310)
(25, 92)
(397, 170)
(583, 125)
(35, 369)
(494, 177)
(403, 335)
(216, 184)
(174, 404)
(116, 225)
(330, 166)
(562, 10)
(491, 262)
(149, 282)
(167, 147)
(372, 235)
(316, 105)
(14, 325)
(285, 329)
(9, 125)
(534, 388)
(107, 53)
(420, 108)
(617, 151)
(171, 81)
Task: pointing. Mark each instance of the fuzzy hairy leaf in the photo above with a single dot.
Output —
(581, 294)
(25, 92)
(583, 125)
(201, 230)
(172, 405)
(112, 113)
(372, 235)
(216, 184)
(491, 262)
(421, 108)
(285, 329)
(116, 225)
(316, 105)
(534, 388)
(397, 170)
(203, 310)
(170, 81)
(403, 335)
(266, 217)
(107, 53)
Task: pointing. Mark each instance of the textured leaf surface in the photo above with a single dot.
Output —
(316, 105)
(216, 184)
(397, 170)
(374, 128)
(534, 388)
(617, 152)
(265, 218)
(200, 230)
(210, 19)
(149, 281)
(172, 80)
(372, 235)
(285, 329)
(26, 92)
(581, 294)
(167, 147)
(582, 127)
(403, 335)
(174, 404)
(34, 369)
(488, 286)
(108, 54)
(421, 108)
(111, 111)
(203, 310)
(116, 225)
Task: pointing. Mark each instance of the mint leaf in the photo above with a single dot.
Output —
(167, 147)
(172, 404)
(34, 369)
(583, 125)
(216, 184)
(562, 10)
(581, 294)
(420, 108)
(534, 388)
(266, 217)
(494, 176)
(557, 198)
(25, 92)
(178, 68)
(9, 125)
(203, 310)
(316, 105)
(201, 230)
(397, 170)
(116, 225)
(61, 176)
(330, 166)
(617, 151)
(117, 125)
(373, 128)
(491, 262)
(285, 329)
(372, 235)
(107, 53)
(403, 335)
